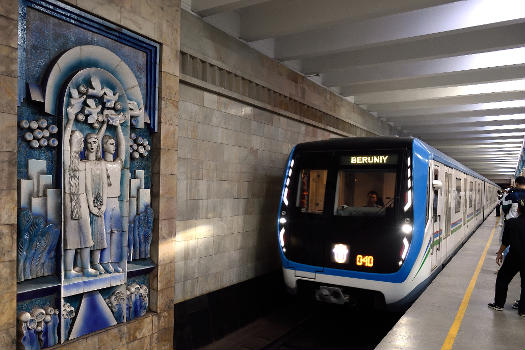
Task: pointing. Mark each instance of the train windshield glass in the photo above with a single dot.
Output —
(312, 185)
(365, 192)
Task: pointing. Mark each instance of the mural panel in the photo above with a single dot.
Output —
(88, 102)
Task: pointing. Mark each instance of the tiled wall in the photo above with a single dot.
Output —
(230, 165)
(158, 20)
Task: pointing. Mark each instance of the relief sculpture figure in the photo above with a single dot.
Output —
(112, 255)
(96, 191)
(77, 229)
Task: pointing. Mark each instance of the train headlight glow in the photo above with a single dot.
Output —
(282, 220)
(405, 248)
(340, 252)
(406, 229)
(281, 237)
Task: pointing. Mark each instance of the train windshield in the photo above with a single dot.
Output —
(343, 197)
(365, 192)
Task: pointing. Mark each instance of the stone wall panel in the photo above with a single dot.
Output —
(230, 162)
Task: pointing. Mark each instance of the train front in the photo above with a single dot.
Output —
(346, 221)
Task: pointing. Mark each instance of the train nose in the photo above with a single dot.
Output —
(331, 295)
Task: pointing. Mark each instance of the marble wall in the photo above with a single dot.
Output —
(230, 164)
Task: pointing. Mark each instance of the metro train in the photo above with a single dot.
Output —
(374, 219)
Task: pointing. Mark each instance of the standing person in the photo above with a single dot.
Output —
(77, 230)
(96, 191)
(500, 196)
(510, 201)
(112, 254)
(514, 262)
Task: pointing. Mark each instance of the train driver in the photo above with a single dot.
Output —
(374, 200)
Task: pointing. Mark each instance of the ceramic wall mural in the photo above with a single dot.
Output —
(85, 221)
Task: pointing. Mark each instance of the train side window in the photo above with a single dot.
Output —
(470, 190)
(436, 198)
(311, 193)
(457, 209)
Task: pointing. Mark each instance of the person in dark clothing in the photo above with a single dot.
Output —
(510, 201)
(498, 206)
(513, 236)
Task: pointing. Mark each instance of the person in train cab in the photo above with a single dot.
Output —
(374, 200)
(514, 262)
(510, 201)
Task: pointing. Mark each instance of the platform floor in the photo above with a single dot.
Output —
(428, 322)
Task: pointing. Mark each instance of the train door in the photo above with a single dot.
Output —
(447, 211)
(435, 253)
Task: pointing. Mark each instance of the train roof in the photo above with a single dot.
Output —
(388, 142)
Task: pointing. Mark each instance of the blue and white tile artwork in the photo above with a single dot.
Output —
(37, 243)
(138, 300)
(140, 227)
(66, 63)
(92, 315)
(117, 302)
(38, 329)
(68, 314)
(38, 223)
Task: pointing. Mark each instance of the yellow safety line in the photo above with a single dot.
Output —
(453, 332)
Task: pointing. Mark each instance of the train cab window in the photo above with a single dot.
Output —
(365, 192)
(457, 208)
(312, 185)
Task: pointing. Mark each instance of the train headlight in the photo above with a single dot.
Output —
(340, 253)
(406, 228)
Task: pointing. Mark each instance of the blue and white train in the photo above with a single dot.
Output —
(374, 219)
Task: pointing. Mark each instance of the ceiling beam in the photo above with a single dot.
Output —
(438, 103)
(462, 117)
(476, 135)
(448, 44)
(469, 108)
(278, 18)
(206, 8)
(348, 35)
(431, 67)
(444, 128)
(466, 77)
(434, 93)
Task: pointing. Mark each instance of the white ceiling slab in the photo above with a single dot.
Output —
(457, 78)
(454, 43)
(411, 69)
(393, 96)
(473, 108)
(455, 100)
(458, 121)
(461, 15)
(449, 72)
(278, 18)
(211, 7)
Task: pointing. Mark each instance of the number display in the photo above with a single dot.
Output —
(365, 260)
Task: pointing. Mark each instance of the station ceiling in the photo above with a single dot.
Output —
(449, 72)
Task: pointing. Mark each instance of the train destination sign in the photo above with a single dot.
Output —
(369, 159)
